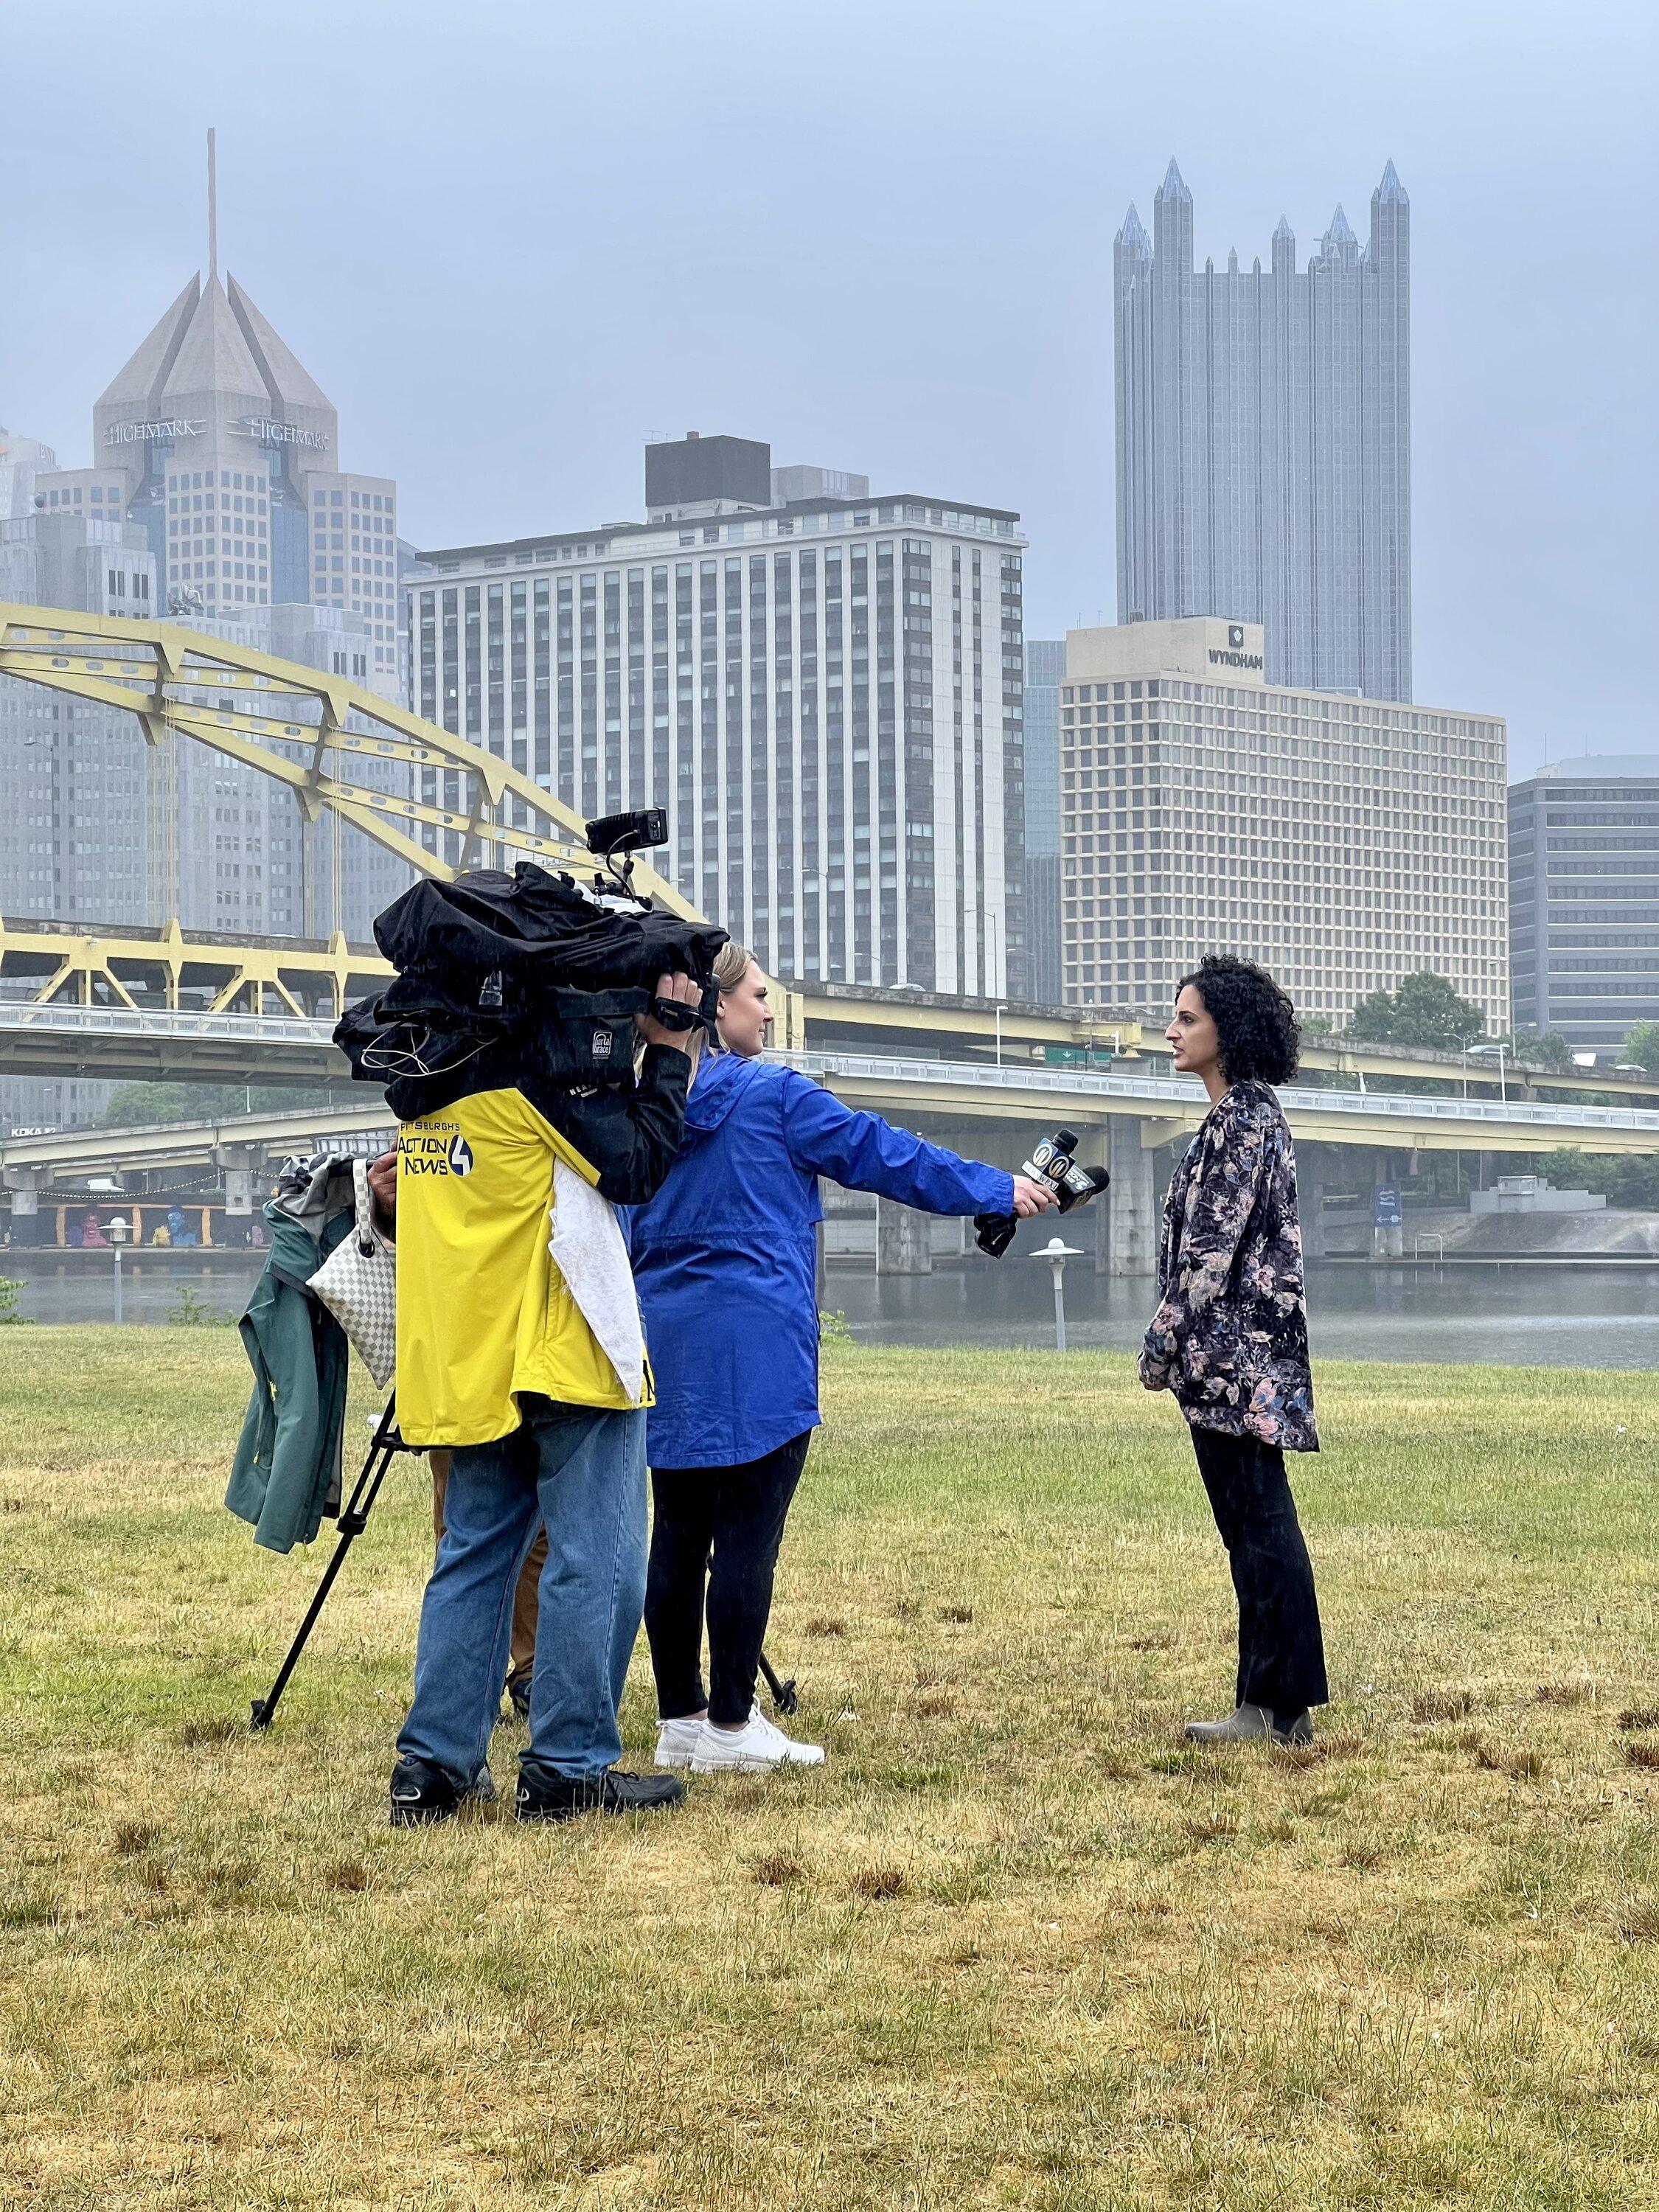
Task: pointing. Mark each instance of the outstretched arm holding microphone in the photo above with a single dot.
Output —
(725, 1259)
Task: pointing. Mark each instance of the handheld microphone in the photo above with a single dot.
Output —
(1053, 1164)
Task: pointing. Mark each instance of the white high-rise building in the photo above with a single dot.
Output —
(1343, 843)
(823, 688)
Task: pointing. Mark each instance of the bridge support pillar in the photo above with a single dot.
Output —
(1310, 1202)
(24, 1184)
(1132, 1213)
(904, 1244)
(239, 1164)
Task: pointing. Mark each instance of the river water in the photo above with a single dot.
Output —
(1513, 1316)
(1517, 1315)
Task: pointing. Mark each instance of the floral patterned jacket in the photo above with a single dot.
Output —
(1229, 1338)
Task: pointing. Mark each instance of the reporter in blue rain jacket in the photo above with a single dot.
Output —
(724, 1260)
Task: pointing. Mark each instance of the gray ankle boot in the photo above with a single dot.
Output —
(1250, 1724)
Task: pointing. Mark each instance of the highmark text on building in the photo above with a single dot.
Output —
(1343, 843)
(219, 447)
(822, 688)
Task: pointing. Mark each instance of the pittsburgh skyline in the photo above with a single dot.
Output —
(506, 336)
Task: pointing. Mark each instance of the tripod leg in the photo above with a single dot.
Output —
(783, 1693)
(353, 1521)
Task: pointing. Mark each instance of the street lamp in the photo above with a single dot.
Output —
(1000, 1011)
(1057, 1254)
(1500, 1048)
(119, 1230)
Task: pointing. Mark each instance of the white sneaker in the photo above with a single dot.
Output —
(754, 1748)
(676, 1741)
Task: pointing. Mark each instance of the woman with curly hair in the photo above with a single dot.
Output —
(1230, 1339)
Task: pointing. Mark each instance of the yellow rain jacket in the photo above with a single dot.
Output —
(484, 1311)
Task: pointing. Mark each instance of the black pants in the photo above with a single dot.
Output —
(1281, 1652)
(725, 1523)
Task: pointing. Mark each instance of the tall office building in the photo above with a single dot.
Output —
(77, 839)
(822, 688)
(215, 453)
(1045, 671)
(1263, 432)
(73, 787)
(1342, 843)
(1585, 899)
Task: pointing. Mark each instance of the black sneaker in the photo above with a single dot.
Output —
(546, 1795)
(517, 1692)
(422, 1793)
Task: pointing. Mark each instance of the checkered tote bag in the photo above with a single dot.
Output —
(358, 1284)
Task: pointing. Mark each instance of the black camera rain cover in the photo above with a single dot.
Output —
(520, 979)
(536, 931)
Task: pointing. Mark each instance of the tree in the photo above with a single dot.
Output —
(1543, 1048)
(1568, 1169)
(1423, 1010)
(139, 1104)
(1625, 1179)
(1642, 1045)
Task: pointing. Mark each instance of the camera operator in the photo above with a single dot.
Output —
(500, 1358)
(724, 1256)
(521, 1653)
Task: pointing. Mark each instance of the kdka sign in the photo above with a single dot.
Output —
(1234, 656)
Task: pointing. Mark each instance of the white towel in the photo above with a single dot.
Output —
(588, 1251)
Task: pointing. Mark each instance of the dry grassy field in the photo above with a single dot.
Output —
(1013, 1946)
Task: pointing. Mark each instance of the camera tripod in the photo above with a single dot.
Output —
(384, 1447)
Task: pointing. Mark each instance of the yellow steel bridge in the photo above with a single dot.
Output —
(323, 737)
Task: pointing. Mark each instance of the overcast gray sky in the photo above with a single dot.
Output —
(513, 241)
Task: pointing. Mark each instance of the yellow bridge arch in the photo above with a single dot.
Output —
(308, 730)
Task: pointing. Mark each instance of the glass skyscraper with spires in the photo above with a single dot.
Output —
(1263, 438)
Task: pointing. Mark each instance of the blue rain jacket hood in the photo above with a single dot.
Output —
(725, 1255)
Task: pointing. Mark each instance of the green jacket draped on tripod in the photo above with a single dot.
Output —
(287, 1470)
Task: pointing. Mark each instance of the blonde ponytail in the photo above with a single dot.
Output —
(731, 965)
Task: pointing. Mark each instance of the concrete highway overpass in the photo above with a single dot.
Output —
(1124, 1119)
(126, 1003)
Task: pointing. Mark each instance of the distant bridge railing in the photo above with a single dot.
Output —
(962, 1091)
(1173, 1093)
(1175, 1097)
(169, 1022)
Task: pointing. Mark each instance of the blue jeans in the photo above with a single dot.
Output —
(582, 1471)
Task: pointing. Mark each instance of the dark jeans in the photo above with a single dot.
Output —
(1281, 1652)
(577, 1472)
(725, 1523)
